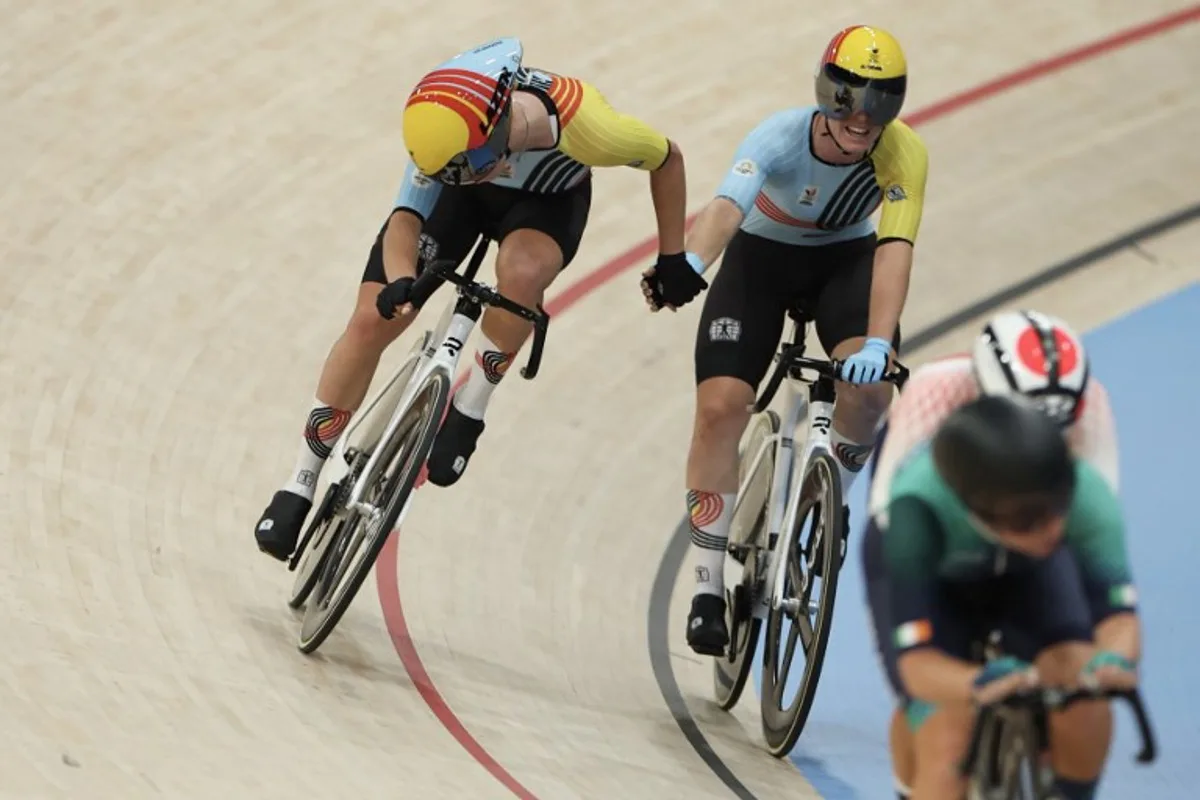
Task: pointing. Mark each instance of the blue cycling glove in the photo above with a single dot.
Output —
(869, 363)
(1106, 658)
(999, 668)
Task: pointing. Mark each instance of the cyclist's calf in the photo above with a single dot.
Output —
(1079, 735)
(859, 409)
(940, 743)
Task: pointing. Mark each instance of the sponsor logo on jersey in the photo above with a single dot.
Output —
(809, 195)
(746, 167)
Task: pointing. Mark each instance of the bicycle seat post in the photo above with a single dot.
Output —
(799, 335)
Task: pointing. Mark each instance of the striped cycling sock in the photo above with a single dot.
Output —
(710, 515)
(325, 424)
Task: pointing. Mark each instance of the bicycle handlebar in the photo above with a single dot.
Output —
(1053, 699)
(791, 357)
(439, 272)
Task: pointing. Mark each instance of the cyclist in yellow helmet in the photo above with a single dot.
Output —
(498, 150)
(793, 219)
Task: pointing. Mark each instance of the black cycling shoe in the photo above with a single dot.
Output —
(453, 446)
(706, 631)
(278, 528)
(820, 557)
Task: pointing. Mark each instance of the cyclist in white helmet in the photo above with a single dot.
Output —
(1017, 354)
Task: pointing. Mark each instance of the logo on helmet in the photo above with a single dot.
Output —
(1033, 357)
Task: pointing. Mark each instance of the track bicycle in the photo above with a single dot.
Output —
(378, 459)
(789, 580)
(1008, 756)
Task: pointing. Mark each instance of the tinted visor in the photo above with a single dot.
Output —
(472, 165)
(841, 94)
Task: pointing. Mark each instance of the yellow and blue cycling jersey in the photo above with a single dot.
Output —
(588, 131)
(789, 195)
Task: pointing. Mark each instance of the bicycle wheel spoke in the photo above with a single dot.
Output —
(789, 652)
(804, 625)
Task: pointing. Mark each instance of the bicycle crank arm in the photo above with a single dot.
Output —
(791, 607)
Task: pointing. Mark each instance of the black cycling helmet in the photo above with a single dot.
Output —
(1008, 462)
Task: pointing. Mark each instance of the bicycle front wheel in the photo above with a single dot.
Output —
(312, 549)
(804, 618)
(357, 540)
(731, 669)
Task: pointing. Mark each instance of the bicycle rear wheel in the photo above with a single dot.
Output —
(747, 526)
(799, 621)
(357, 540)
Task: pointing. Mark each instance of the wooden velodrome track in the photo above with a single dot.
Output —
(188, 197)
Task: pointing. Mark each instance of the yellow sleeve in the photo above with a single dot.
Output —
(598, 136)
(901, 166)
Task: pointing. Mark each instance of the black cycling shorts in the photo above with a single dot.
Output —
(463, 213)
(760, 280)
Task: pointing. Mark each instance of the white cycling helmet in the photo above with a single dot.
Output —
(1035, 355)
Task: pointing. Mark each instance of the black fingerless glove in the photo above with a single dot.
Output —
(392, 296)
(674, 282)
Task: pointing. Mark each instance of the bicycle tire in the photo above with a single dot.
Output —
(429, 406)
(731, 670)
(820, 488)
(312, 549)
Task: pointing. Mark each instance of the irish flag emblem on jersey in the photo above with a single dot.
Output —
(1123, 596)
(911, 634)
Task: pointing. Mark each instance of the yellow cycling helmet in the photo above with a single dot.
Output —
(457, 118)
(862, 69)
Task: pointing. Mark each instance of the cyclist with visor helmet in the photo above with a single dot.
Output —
(793, 220)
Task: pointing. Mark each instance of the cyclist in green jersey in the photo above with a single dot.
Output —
(993, 525)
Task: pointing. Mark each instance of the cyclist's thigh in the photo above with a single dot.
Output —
(844, 304)
(744, 310)
(956, 625)
(450, 232)
(562, 216)
(1048, 606)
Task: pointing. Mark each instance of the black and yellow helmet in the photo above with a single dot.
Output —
(862, 69)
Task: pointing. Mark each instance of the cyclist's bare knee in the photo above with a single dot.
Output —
(528, 262)
(369, 331)
(940, 745)
(722, 408)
